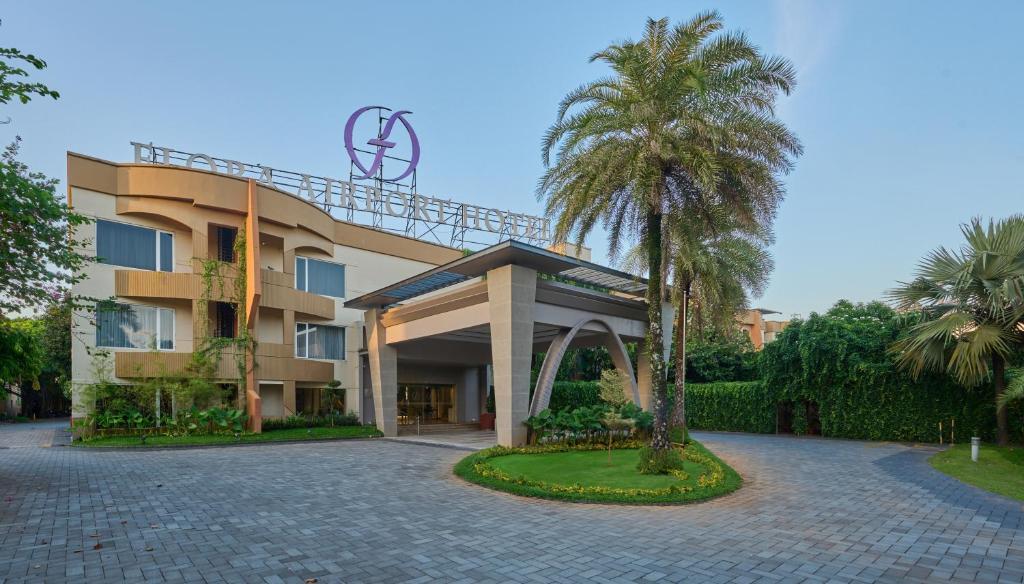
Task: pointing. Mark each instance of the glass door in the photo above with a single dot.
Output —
(430, 404)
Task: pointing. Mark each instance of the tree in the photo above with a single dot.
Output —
(35, 251)
(21, 355)
(13, 84)
(682, 122)
(972, 304)
(717, 264)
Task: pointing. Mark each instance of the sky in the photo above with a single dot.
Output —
(909, 112)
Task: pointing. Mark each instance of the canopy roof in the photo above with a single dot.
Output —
(501, 254)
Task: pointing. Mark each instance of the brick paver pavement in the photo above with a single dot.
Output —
(382, 511)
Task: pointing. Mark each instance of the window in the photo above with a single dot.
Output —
(121, 244)
(319, 341)
(132, 326)
(226, 243)
(319, 277)
(225, 320)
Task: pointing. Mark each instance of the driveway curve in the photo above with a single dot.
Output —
(380, 511)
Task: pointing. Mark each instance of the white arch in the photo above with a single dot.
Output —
(553, 358)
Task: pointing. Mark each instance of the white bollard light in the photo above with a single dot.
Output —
(975, 445)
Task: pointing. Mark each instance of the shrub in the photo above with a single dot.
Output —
(662, 461)
(841, 361)
(569, 395)
(587, 424)
(612, 387)
(721, 358)
(323, 421)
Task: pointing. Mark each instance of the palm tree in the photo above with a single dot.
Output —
(716, 263)
(971, 303)
(717, 271)
(683, 122)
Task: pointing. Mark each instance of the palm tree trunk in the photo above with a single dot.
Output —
(999, 377)
(679, 407)
(655, 335)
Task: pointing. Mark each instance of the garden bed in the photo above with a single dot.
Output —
(287, 435)
(582, 474)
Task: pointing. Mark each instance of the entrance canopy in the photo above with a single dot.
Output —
(499, 307)
(543, 261)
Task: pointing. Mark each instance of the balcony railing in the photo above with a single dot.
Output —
(278, 290)
(273, 361)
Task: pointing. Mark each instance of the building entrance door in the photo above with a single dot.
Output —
(427, 403)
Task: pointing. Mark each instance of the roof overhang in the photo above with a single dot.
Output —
(502, 254)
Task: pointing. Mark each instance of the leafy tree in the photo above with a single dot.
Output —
(13, 77)
(726, 356)
(684, 118)
(972, 304)
(35, 252)
(21, 355)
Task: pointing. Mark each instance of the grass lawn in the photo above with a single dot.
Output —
(999, 469)
(337, 433)
(586, 476)
(591, 468)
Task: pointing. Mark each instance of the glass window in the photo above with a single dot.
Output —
(300, 273)
(131, 326)
(320, 277)
(166, 244)
(319, 341)
(120, 244)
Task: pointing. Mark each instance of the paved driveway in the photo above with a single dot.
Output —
(381, 511)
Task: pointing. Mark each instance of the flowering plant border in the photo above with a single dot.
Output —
(716, 479)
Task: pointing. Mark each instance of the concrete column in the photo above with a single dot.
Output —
(289, 397)
(383, 374)
(469, 395)
(511, 291)
(668, 320)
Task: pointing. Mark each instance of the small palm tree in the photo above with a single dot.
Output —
(715, 272)
(684, 121)
(971, 303)
(716, 262)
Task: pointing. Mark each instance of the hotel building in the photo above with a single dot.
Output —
(410, 330)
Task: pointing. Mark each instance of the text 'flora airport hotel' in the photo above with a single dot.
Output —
(356, 283)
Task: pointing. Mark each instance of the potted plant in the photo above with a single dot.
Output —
(487, 418)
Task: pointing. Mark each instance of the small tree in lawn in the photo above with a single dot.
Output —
(612, 387)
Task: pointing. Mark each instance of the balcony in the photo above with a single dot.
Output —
(273, 361)
(180, 285)
(278, 290)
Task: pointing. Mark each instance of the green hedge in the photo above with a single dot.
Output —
(879, 408)
(733, 406)
(570, 395)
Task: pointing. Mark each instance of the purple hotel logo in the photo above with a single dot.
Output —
(381, 142)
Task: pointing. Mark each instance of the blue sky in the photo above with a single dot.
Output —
(909, 111)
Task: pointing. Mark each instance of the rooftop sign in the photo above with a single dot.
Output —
(381, 204)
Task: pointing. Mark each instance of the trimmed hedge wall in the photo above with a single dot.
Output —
(732, 406)
(569, 395)
(868, 411)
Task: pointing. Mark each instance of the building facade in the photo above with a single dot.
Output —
(159, 231)
(760, 330)
(295, 301)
